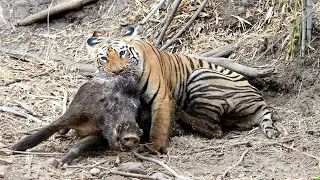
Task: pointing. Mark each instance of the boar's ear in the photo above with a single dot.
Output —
(95, 39)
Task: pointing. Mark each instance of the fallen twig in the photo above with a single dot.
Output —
(235, 165)
(145, 19)
(33, 153)
(168, 21)
(77, 66)
(244, 70)
(186, 26)
(67, 6)
(220, 147)
(139, 156)
(24, 56)
(32, 57)
(8, 161)
(64, 101)
(126, 174)
(29, 163)
(222, 51)
(27, 108)
(28, 79)
(294, 149)
(25, 115)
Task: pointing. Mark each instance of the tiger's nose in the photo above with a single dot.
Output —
(118, 71)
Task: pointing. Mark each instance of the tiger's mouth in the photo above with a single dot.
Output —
(122, 72)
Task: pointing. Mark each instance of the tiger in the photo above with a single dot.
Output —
(174, 87)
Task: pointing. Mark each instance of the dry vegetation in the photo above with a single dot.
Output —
(294, 91)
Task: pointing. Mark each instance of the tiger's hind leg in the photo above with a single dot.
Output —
(261, 117)
(208, 129)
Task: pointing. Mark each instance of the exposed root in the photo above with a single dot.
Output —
(235, 165)
(67, 6)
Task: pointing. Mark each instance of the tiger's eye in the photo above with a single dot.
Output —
(103, 58)
(122, 53)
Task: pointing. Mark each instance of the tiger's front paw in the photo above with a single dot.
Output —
(152, 150)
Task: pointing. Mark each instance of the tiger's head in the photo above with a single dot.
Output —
(114, 56)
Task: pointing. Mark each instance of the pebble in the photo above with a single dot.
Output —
(52, 162)
(132, 167)
(159, 175)
(3, 170)
(95, 171)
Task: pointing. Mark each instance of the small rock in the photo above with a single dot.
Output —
(1, 144)
(132, 167)
(68, 173)
(95, 171)
(6, 160)
(3, 170)
(159, 175)
(5, 151)
(52, 162)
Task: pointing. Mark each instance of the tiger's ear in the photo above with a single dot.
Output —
(130, 34)
(94, 40)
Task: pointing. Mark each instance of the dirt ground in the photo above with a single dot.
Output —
(293, 92)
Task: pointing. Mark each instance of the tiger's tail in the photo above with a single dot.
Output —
(266, 124)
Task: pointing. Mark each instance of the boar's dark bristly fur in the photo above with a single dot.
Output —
(104, 110)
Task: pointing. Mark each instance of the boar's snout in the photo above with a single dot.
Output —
(130, 141)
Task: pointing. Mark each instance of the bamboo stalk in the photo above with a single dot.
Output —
(303, 29)
(309, 20)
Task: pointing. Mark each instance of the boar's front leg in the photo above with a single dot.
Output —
(88, 143)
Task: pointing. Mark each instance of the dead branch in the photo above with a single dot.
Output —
(67, 6)
(145, 19)
(139, 156)
(25, 115)
(168, 21)
(186, 26)
(222, 51)
(77, 66)
(220, 147)
(126, 174)
(32, 57)
(235, 165)
(24, 56)
(28, 79)
(27, 108)
(244, 70)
